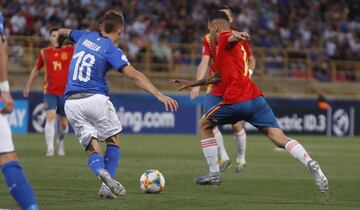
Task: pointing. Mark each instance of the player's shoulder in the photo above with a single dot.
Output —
(45, 50)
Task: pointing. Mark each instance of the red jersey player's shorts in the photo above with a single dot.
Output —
(254, 111)
(56, 64)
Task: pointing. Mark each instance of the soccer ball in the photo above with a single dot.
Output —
(152, 181)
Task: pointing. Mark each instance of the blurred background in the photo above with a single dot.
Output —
(306, 51)
(310, 46)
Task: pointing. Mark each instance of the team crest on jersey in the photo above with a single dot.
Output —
(64, 56)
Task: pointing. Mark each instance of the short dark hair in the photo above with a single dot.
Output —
(112, 20)
(224, 7)
(219, 15)
(53, 29)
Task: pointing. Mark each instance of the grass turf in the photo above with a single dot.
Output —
(274, 180)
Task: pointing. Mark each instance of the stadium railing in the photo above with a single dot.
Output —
(279, 71)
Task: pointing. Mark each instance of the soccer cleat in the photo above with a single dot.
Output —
(105, 192)
(114, 186)
(319, 177)
(33, 207)
(50, 153)
(210, 179)
(224, 164)
(61, 148)
(240, 168)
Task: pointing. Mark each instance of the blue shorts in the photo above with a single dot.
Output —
(255, 111)
(210, 101)
(55, 102)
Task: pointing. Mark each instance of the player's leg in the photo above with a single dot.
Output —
(210, 151)
(240, 141)
(17, 183)
(49, 130)
(265, 120)
(209, 102)
(112, 154)
(63, 128)
(111, 161)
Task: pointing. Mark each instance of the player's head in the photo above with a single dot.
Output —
(218, 22)
(225, 8)
(112, 23)
(53, 36)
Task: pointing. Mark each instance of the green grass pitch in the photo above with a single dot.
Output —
(274, 180)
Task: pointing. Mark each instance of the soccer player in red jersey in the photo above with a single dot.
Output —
(243, 100)
(56, 65)
(214, 96)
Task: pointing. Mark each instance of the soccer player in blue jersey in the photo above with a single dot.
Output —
(18, 185)
(87, 105)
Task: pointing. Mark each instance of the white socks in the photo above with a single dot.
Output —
(220, 142)
(240, 140)
(210, 150)
(297, 151)
(49, 135)
(62, 133)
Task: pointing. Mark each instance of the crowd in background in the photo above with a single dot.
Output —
(330, 29)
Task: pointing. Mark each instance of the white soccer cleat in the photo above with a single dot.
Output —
(50, 153)
(319, 177)
(114, 186)
(61, 148)
(105, 192)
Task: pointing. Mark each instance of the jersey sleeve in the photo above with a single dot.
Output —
(75, 34)
(247, 48)
(224, 39)
(205, 47)
(40, 60)
(117, 59)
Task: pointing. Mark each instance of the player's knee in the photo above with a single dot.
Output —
(237, 127)
(63, 124)
(7, 157)
(114, 140)
(206, 124)
(50, 116)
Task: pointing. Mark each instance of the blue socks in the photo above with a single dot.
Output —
(95, 162)
(18, 185)
(112, 159)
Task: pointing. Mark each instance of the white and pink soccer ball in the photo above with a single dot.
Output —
(152, 181)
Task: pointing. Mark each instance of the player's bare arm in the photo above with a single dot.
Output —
(185, 84)
(4, 83)
(144, 83)
(201, 72)
(34, 73)
(64, 33)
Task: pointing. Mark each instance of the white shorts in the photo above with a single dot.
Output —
(92, 117)
(6, 143)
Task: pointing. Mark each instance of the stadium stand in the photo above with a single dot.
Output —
(302, 48)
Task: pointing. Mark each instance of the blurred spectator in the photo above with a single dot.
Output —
(333, 26)
(322, 103)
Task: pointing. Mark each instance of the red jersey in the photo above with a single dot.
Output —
(232, 64)
(56, 63)
(210, 48)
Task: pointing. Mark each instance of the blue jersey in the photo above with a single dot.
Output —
(93, 57)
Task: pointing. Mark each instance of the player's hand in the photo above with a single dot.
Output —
(194, 92)
(184, 84)
(170, 104)
(26, 92)
(244, 36)
(8, 103)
